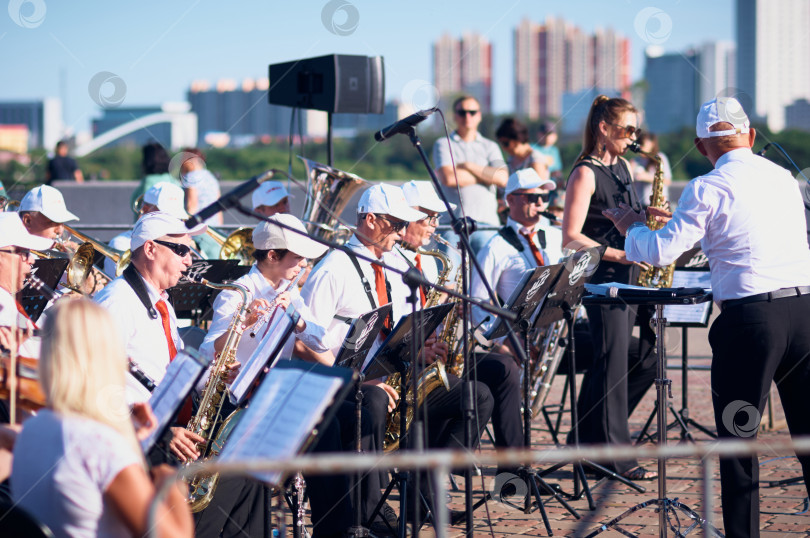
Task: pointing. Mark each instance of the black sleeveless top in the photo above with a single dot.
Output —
(614, 186)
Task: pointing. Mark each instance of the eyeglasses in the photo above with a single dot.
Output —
(396, 226)
(629, 130)
(21, 252)
(432, 220)
(535, 197)
(178, 248)
(464, 112)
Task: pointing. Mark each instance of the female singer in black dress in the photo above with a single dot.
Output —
(601, 179)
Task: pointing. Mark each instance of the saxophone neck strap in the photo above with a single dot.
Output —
(367, 287)
(135, 281)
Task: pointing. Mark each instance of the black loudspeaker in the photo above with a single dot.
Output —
(338, 83)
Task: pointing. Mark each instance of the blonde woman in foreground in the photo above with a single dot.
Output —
(78, 466)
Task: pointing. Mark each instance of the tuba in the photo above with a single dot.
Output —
(329, 190)
(656, 277)
(431, 378)
(207, 422)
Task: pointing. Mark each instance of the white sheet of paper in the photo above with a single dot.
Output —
(280, 417)
(180, 376)
(690, 313)
(270, 340)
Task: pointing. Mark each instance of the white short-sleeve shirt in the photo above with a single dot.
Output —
(62, 467)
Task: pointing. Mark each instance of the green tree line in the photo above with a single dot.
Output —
(395, 159)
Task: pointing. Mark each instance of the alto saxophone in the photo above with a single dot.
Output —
(207, 422)
(655, 277)
(431, 378)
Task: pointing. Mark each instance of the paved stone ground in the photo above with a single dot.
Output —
(783, 509)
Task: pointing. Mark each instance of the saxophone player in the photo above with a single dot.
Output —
(526, 241)
(137, 302)
(760, 274)
(602, 179)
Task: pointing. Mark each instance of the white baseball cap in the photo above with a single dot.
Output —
(167, 197)
(269, 193)
(49, 202)
(386, 199)
(14, 234)
(422, 194)
(268, 236)
(722, 109)
(154, 225)
(527, 178)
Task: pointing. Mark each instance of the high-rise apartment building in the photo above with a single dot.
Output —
(463, 66)
(773, 56)
(678, 82)
(557, 58)
(43, 118)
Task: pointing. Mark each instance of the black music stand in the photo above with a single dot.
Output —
(560, 304)
(193, 300)
(684, 316)
(398, 354)
(49, 271)
(525, 301)
(658, 298)
(356, 346)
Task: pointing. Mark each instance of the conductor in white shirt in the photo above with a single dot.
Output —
(760, 273)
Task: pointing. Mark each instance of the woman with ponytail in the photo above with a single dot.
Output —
(601, 179)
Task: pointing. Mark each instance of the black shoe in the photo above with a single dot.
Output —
(389, 526)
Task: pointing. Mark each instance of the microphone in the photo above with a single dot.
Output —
(404, 125)
(230, 199)
(761, 153)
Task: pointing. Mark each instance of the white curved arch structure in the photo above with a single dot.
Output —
(183, 131)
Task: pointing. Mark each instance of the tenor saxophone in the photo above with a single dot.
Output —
(207, 422)
(655, 277)
(431, 378)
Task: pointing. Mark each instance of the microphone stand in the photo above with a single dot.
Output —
(463, 228)
(413, 278)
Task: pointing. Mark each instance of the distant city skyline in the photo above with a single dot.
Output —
(149, 53)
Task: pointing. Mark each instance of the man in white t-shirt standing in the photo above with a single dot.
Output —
(479, 168)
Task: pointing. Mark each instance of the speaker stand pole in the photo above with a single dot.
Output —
(329, 156)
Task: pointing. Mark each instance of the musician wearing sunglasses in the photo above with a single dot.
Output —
(601, 179)
(479, 168)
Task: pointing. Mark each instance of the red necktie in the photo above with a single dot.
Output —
(421, 289)
(22, 311)
(538, 256)
(382, 291)
(167, 328)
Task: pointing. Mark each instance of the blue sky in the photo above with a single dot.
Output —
(153, 50)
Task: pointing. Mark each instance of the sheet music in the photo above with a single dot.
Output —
(288, 405)
(272, 339)
(691, 313)
(181, 376)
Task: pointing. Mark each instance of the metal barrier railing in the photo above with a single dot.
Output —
(440, 462)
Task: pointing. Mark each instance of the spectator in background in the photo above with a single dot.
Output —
(62, 166)
(644, 168)
(479, 169)
(547, 146)
(513, 136)
(155, 164)
(271, 198)
(202, 188)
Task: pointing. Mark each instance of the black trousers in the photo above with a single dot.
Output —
(501, 374)
(618, 377)
(239, 508)
(752, 345)
(443, 414)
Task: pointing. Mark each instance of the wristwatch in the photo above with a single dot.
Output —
(636, 224)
